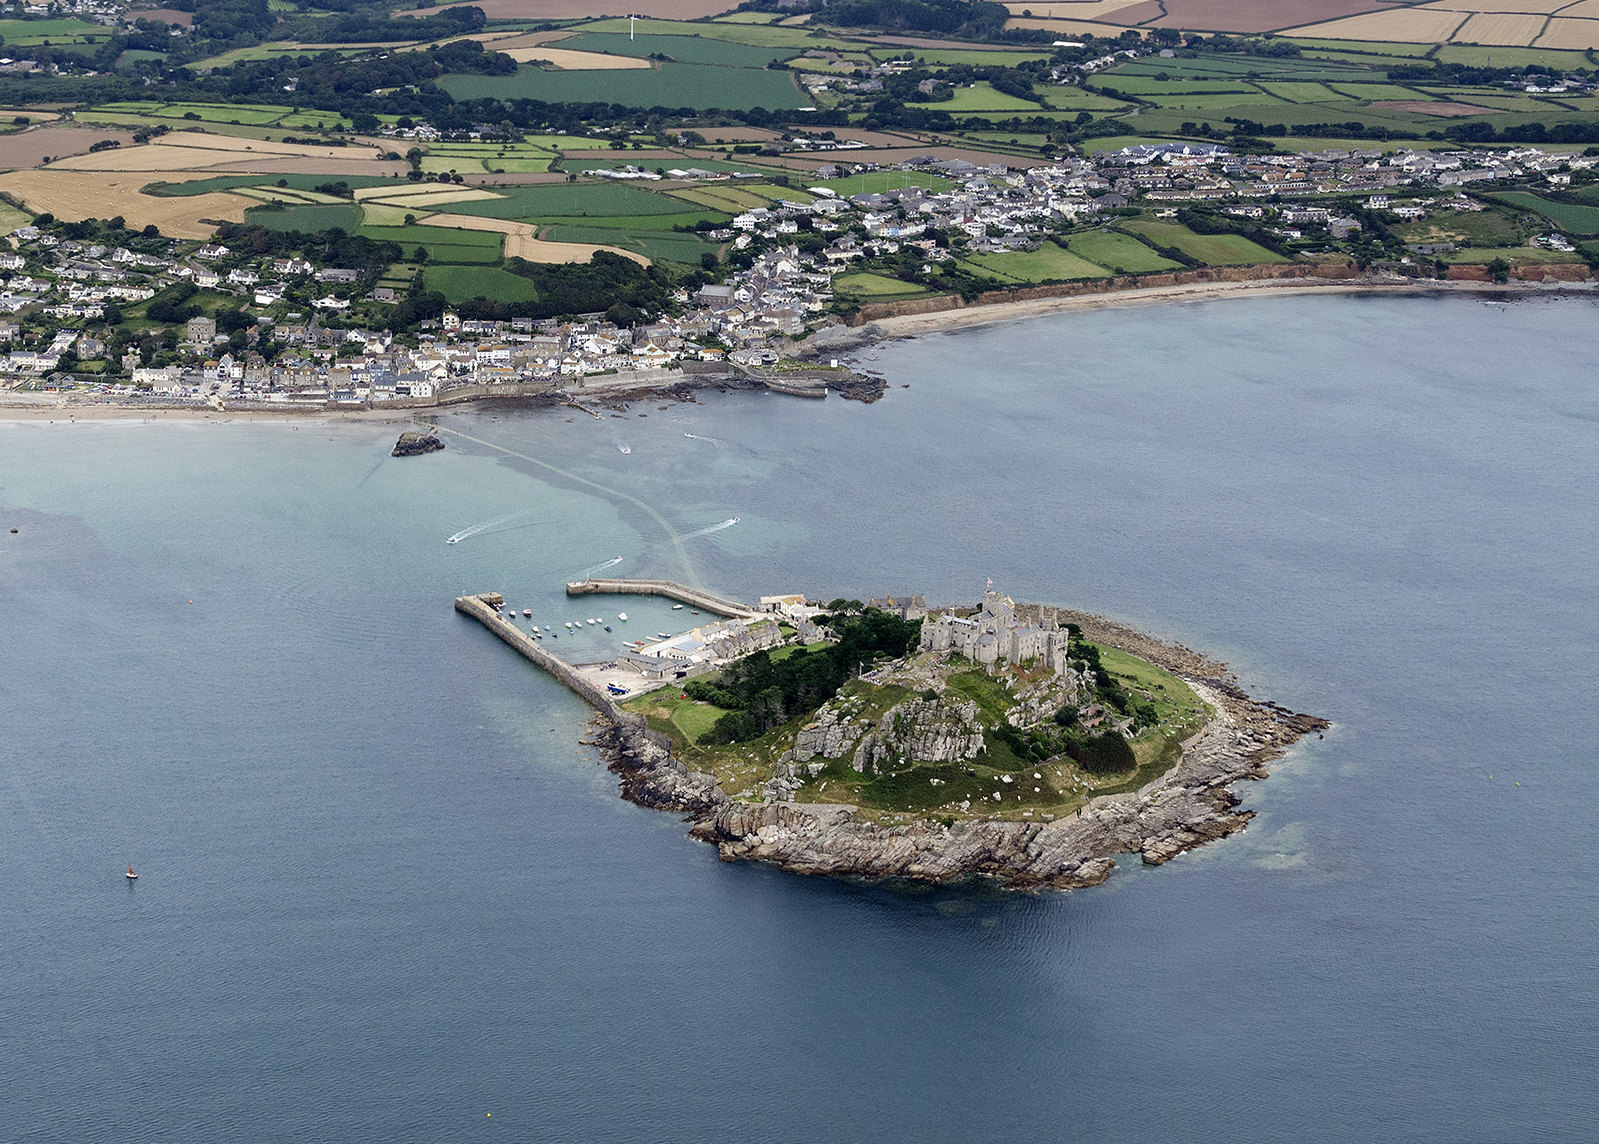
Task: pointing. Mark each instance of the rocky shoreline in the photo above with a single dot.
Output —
(1188, 806)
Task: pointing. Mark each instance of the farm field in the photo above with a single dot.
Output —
(875, 286)
(585, 200)
(1569, 217)
(683, 49)
(1467, 228)
(670, 85)
(463, 283)
(202, 184)
(981, 96)
(308, 218)
(442, 243)
(1211, 249)
(80, 194)
(59, 33)
(1118, 252)
(1047, 264)
(761, 35)
(1470, 256)
(668, 246)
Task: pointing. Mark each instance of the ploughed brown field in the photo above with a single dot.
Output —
(28, 148)
(573, 9)
(164, 15)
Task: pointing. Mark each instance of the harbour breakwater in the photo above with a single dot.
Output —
(1188, 806)
(671, 589)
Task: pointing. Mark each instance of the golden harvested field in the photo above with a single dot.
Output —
(79, 195)
(1248, 15)
(1542, 7)
(522, 241)
(568, 60)
(390, 216)
(1582, 9)
(1563, 33)
(1501, 28)
(1406, 26)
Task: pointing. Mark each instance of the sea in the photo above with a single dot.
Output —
(387, 892)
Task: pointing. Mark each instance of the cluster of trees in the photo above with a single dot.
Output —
(761, 693)
(334, 247)
(373, 25)
(1480, 132)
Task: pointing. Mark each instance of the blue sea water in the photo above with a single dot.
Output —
(386, 893)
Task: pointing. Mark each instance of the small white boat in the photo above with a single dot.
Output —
(677, 607)
(132, 877)
(527, 613)
(622, 616)
(591, 623)
(662, 635)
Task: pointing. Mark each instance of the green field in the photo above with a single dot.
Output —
(1301, 92)
(1476, 256)
(945, 57)
(572, 200)
(876, 182)
(1211, 249)
(1501, 57)
(670, 85)
(658, 245)
(1569, 217)
(1047, 264)
(1365, 48)
(1076, 99)
(875, 286)
(1375, 91)
(11, 218)
(442, 244)
(1468, 228)
(309, 219)
(759, 34)
(463, 283)
(683, 49)
(1119, 253)
(982, 97)
(60, 33)
(298, 182)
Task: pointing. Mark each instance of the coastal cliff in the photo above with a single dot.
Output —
(1185, 807)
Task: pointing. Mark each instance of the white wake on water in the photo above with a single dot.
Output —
(484, 526)
(728, 523)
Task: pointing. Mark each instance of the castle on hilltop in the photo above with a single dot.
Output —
(994, 635)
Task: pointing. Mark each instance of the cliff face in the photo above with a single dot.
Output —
(1187, 807)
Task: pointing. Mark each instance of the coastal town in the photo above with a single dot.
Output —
(289, 332)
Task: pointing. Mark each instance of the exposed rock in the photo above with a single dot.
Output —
(412, 444)
(923, 730)
(1187, 807)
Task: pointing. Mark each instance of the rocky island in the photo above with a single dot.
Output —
(414, 443)
(1025, 744)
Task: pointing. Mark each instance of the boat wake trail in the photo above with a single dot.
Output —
(589, 572)
(728, 523)
(717, 441)
(484, 526)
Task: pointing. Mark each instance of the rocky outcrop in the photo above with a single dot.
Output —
(414, 444)
(1187, 807)
(924, 730)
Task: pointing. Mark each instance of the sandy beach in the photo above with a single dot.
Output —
(911, 325)
(17, 406)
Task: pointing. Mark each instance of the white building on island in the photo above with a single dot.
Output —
(995, 635)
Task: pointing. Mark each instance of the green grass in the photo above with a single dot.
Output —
(1471, 228)
(1502, 57)
(11, 218)
(1375, 91)
(665, 246)
(310, 219)
(443, 244)
(1119, 253)
(876, 182)
(1301, 92)
(875, 286)
(298, 182)
(687, 719)
(670, 85)
(981, 96)
(1362, 47)
(1569, 217)
(463, 283)
(1476, 255)
(683, 49)
(1047, 264)
(1211, 249)
(944, 57)
(759, 34)
(1076, 99)
(32, 33)
(573, 200)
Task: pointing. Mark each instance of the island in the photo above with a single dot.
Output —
(1021, 743)
(414, 443)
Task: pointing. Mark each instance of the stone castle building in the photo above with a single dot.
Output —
(994, 634)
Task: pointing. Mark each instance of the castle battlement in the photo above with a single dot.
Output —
(994, 634)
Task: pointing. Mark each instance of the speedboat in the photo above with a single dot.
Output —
(662, 636)
(622, 616)
(527, 613)
(607, 627)
(677, 607)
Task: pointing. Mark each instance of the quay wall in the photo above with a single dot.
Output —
(682, 593)
(481, 608)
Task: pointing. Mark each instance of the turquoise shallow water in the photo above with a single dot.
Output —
(385, 891)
